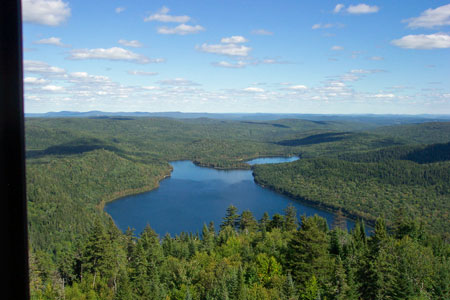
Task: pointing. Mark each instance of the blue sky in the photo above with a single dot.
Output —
(324, 57)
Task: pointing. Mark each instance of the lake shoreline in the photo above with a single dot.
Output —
(300, 200)
(317, 204)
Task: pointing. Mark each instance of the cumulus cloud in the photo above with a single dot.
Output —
(249, 62)
(226, 49)
(133, 43)
(235, 39)
(35, 66)
(178, 82)
(84, 77)
(424, 41)
(34, 80)
(362, 9)
(431, 18)
(253, 90)
(150, 88)
(181, 29)
(53, 88)
(365, 71)
(52, 41)
(338, 8)
(225, 64)
(45, 12)
(114, 53)
(299, 87)
(163, 16)
(261, 32)
(142, 73)
(390, 96)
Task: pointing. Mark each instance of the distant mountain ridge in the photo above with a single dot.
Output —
(371, 118)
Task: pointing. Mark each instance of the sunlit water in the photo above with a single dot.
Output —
(194, 195)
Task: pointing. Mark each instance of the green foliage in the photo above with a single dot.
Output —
(241, 265)
(366, 190)
(74, 166)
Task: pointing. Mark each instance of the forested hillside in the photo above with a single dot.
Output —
(75, 165)
(367, 189)
(247, 259)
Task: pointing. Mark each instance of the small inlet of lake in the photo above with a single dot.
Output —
(195, 195)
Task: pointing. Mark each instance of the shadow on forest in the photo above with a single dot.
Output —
(316, 139)
(429, 154)
(269, 124)
(74, 147)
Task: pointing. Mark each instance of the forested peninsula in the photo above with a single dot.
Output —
(395, 177)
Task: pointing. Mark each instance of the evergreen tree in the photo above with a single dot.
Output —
(247, 222)
(311, 290)
(231, 218)
(288, 290)
(307, 253)
(264, 221)
(290, 218)
(339, 221)
(276, 222)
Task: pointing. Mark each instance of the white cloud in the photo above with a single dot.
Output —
(261, 32)
(322, 26)
(299, 87)
(226, 49)
(235, 39)
(35, 66)
(181, 29)
(337, 48)
(51, 41)
(178, 82)
(163, 16)
(53, 88)
(362, 9)
(376, 58)
(114, 53)
(225, 64)
(253, 90)
(383, 96)
(142, 73)
(338, 8)
(133, 43)
(364, 71)
(150, 88)
(45, 12)
(34, 80)
(84, 77)
(118, 10)
(431, 18)
(423, 41)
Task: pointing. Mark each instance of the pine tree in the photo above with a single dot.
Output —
(276, 222)
(247, 222)
(307, 253)
(339, 221)
(290, 218)
(311, 290)
(264, 221)
(231, 218)
(288, 290)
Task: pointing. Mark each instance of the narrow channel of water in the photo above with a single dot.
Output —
(195, 195)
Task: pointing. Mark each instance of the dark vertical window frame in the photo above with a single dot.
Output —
(13, 213)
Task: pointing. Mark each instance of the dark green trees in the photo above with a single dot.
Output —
(307, 254)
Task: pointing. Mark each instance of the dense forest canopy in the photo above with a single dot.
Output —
(395, 177)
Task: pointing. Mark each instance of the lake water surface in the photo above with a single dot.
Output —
(195, 195)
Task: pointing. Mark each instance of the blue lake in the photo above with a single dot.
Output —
(195, 195)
